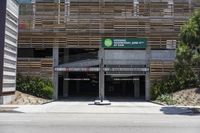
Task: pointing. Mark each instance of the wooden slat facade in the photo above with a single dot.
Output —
(158, 69)
(42, 67)
(83, 23)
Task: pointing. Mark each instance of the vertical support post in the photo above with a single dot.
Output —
(147, 87)
(66, 75)
(147, 75)
(190, 6)
(1, 99)
(55, 74)
(58, 11)
(67, 10)
(101, 100)
(135, 7)
(101, 81)
(78, 87)
(101, 75)
(137, 88)
(34, 11)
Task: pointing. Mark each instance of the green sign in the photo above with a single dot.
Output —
(124, 43)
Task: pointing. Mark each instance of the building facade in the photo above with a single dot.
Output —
(105, 48)
(8, 49)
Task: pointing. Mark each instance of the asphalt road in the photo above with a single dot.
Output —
(98, 123)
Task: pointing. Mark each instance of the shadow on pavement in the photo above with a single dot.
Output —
(92, 99)
(171, 110)
(76, 99)
(9, 110)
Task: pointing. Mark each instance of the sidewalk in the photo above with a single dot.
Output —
(89, 107)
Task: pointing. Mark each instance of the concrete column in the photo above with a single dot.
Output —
(6, 99)
(124, 89)
(78, 87)
(101, 75)
(147, 77)
(1, 100)
(66, 75)
(137, 88)
(55, 74)
(147, 87)
(66, 85)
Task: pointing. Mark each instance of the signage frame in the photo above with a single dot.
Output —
(124, 43)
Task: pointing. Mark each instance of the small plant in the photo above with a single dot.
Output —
(167, 99)
(36, 86)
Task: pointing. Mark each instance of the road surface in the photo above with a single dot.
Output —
(98, 123)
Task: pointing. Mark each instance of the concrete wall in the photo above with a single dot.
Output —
(6, 99)
(125, 54)
(139, 55)
(8, 41)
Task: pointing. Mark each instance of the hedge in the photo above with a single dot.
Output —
(35, 86)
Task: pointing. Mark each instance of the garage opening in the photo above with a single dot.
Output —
(83, 84)
(125, 86)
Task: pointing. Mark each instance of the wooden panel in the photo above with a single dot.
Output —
(84, 23)
(158, 69)
(35, 67)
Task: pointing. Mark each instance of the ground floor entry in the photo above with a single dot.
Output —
(125, 86)
(86, 84)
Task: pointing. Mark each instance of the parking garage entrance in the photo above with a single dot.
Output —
(86, 84)
(125, 86)
(79, 84)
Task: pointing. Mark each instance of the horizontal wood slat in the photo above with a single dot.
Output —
(83, 24)
(158, 69)
(35, 67)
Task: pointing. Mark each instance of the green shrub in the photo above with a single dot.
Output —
(187, 58)
(167, 99)
(167, 85)
(182, 78)
(35, 86)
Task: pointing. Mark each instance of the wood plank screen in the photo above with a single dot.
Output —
(83, 23)
(42, 67)
(159, 69)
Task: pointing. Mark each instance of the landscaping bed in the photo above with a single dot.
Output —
(26, 99)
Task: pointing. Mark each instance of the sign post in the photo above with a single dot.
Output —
(101, 100)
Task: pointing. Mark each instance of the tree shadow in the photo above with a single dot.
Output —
(173, 110)
(197, 90)
(9, 110)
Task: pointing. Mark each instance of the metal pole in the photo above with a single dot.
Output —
(101, 79)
